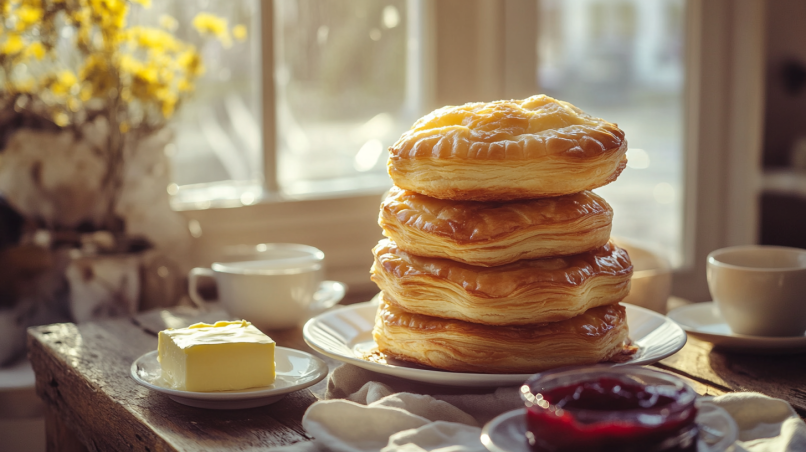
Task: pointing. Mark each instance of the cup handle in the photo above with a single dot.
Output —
(193, 286)
(329, 294)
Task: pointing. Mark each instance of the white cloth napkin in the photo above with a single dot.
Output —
(765, 424)
(366, 412)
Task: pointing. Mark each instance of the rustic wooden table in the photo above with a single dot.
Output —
(82, 375)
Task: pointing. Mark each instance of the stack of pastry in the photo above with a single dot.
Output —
(498, 257)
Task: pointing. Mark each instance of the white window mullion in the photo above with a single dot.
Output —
(420, 70)
(723, 130)
(269, 118)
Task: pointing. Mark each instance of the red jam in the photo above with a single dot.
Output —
(610, 409)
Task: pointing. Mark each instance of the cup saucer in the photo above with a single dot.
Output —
(327, 296)
(704, 321)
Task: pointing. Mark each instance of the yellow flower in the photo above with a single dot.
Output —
(148, 73)
(168, 22)
(148, 70)
(141, 88)
(99, 74)
(129, 64)
(168, 100)
(28, 15)
(239, 31)
(184, 85)
(208, 24)
(36, 50)
(13, 45)
(109, 14)
(191, 62)
(152, 38)
(65, 81)
(61, 119)
(166, 75)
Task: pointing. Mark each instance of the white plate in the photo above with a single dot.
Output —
(507, 432)
(295, 370)
(704, 321)
(346, 335)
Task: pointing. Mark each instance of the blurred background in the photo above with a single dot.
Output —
(284, 138)
(687, 82)
(348, 81)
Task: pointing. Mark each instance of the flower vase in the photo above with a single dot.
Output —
(103, 285)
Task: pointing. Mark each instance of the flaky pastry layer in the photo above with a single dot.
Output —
(597, 335)
(520, 293)
(495, 233)
(533, 148)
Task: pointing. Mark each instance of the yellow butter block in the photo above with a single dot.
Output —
(226, 356)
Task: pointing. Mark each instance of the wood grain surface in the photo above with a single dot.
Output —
(82, 374)
(781, 376)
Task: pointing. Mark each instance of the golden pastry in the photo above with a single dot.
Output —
(533, 148)
(524, 292)
(495, 233)
(594, 336)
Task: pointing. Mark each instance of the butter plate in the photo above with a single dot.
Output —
(705, 322)
(507, 432)
(345, 334)
(295, 370)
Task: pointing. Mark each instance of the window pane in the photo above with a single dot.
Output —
(342, 93)
(622, 61)
(217, 132)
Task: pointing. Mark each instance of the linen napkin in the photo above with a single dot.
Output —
(365, 411)
(765, 424)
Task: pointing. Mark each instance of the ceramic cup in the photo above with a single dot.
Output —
(277, 290)
(760, 290)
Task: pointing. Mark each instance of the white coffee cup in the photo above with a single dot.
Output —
(760, 290)
(276, 291)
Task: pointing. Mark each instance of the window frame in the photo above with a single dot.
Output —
(486, 50)
(723, 129)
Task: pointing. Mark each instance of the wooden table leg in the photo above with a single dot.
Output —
(59, 437)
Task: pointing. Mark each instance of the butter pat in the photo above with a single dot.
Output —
(226, 356)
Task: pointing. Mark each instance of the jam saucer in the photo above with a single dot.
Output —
(295, 370)
(507, 432)
(704, 321)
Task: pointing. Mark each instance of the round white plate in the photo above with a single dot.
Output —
(507, 432)
(295, 370)
(703, 321)
(345, 334)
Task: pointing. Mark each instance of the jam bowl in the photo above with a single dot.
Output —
(601, 408)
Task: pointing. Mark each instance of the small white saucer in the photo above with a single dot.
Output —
(703, 321)
(507, 432)
(18, 376)
(327, 296)
(295, 370)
